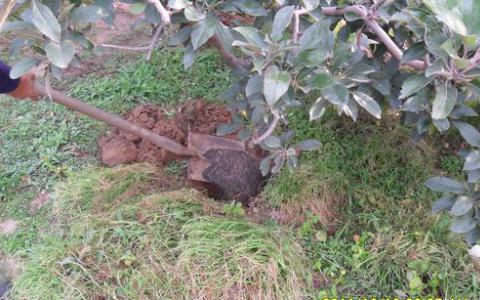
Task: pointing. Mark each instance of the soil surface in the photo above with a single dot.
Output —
(194, 116)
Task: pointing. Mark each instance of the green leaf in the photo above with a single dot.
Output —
(321, 80)
(17, 25)
(414, 281)
(226, 129)
(272, 142)
(203, 31)
(281, 21)
(318, 36)
(437, 66)
(462, 205)
(460, 15)
(137, 8)
(446, 185)
(193, 14)
(45, 21)
(473, 176)
(318, 109)
(311, 57)
(368, 104)
(311, 4)
(189, 57)
(251, 7)
(336, 94)
(22, 67)
(275, 84)
(60, 54)
(443, 204)
(383, 86)
(252, 35)
(441, 124)
(469, 133)
(445, 100)
(463, 111)
(472, 161)
(308, 145)
(463, 224)
(265, 165)
(461, 63)
(279, 161)
(416, 51)
(254, 85)
(414, 84)
(89, 14)
(178, 4)
(181, 36)
(472, 236)
(350, 108)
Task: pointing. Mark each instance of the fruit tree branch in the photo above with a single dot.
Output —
(227, 55)
(164, 14)
(363, 13)
(267, 133)
(154, 41)
(5, 11)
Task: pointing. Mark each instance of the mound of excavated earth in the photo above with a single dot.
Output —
(194, 116)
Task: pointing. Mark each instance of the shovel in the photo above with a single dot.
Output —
(222, 163)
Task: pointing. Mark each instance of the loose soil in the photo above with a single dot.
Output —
(194, 116)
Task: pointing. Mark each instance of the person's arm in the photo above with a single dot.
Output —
(20, 88)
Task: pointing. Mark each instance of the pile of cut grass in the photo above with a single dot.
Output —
(389, 242)
(116, 238)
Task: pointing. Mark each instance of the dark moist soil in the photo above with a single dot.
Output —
(194, 116)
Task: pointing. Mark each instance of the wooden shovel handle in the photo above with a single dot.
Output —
(100, 115)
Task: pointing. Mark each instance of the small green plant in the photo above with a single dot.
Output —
(234, 209)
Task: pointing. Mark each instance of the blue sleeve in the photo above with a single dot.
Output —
(7, 84)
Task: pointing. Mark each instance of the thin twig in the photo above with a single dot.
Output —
(5, 11)
(164, 14)
(144, 48)
(154, 41)
(267, 133)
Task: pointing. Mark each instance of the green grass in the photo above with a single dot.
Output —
(160, 245)
(43, 142)
(401, 248)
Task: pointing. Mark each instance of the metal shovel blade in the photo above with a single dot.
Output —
(225, 164)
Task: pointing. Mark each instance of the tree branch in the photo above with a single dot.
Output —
(227, 55)
(164, 14)
(267, 133)
(154, 41)
(144, 48)
(5, 11)
(362, 12)
(296, 25)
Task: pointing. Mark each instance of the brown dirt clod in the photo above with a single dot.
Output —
(193, 116)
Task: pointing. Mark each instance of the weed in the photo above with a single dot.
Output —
(234, 209)
(452, 165)
(176, 167)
